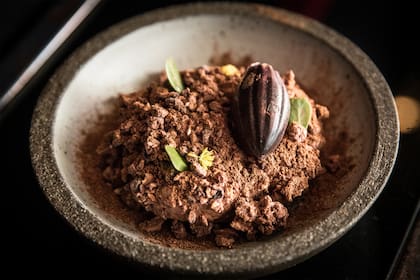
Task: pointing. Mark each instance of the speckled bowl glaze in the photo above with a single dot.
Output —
(122, 58)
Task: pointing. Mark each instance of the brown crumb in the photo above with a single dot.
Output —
(237, 198)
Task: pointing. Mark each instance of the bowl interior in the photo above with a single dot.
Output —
(128, 63)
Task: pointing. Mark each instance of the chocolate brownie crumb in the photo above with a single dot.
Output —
(238, 197)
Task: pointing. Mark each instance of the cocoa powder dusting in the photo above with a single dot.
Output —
(108, 200)
(238, 198)
(92, 174)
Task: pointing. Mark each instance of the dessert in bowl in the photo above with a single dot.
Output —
(362, 127)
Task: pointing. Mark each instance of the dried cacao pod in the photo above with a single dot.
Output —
(260, 110)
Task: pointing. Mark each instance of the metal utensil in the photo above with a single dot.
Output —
(44, 56)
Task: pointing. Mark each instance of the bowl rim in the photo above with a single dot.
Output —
(268, 256)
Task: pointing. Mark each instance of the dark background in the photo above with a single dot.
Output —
(36, 240)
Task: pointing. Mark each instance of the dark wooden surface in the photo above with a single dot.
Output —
(39, 242)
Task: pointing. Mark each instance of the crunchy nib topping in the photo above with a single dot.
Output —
(236, 196)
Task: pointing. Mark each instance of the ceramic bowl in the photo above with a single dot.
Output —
(121, 59)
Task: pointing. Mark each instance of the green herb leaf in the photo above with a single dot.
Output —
(300, 111)
(176, 159)
(206, 158)
(174, 77)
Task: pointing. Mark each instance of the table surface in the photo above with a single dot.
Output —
(37, 239)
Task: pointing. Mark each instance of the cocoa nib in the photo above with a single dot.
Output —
(260, 110)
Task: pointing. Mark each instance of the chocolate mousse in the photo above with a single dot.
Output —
(174, 155)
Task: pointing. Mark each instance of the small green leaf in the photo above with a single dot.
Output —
(176, 159)
(300, 111)
(174, 77)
